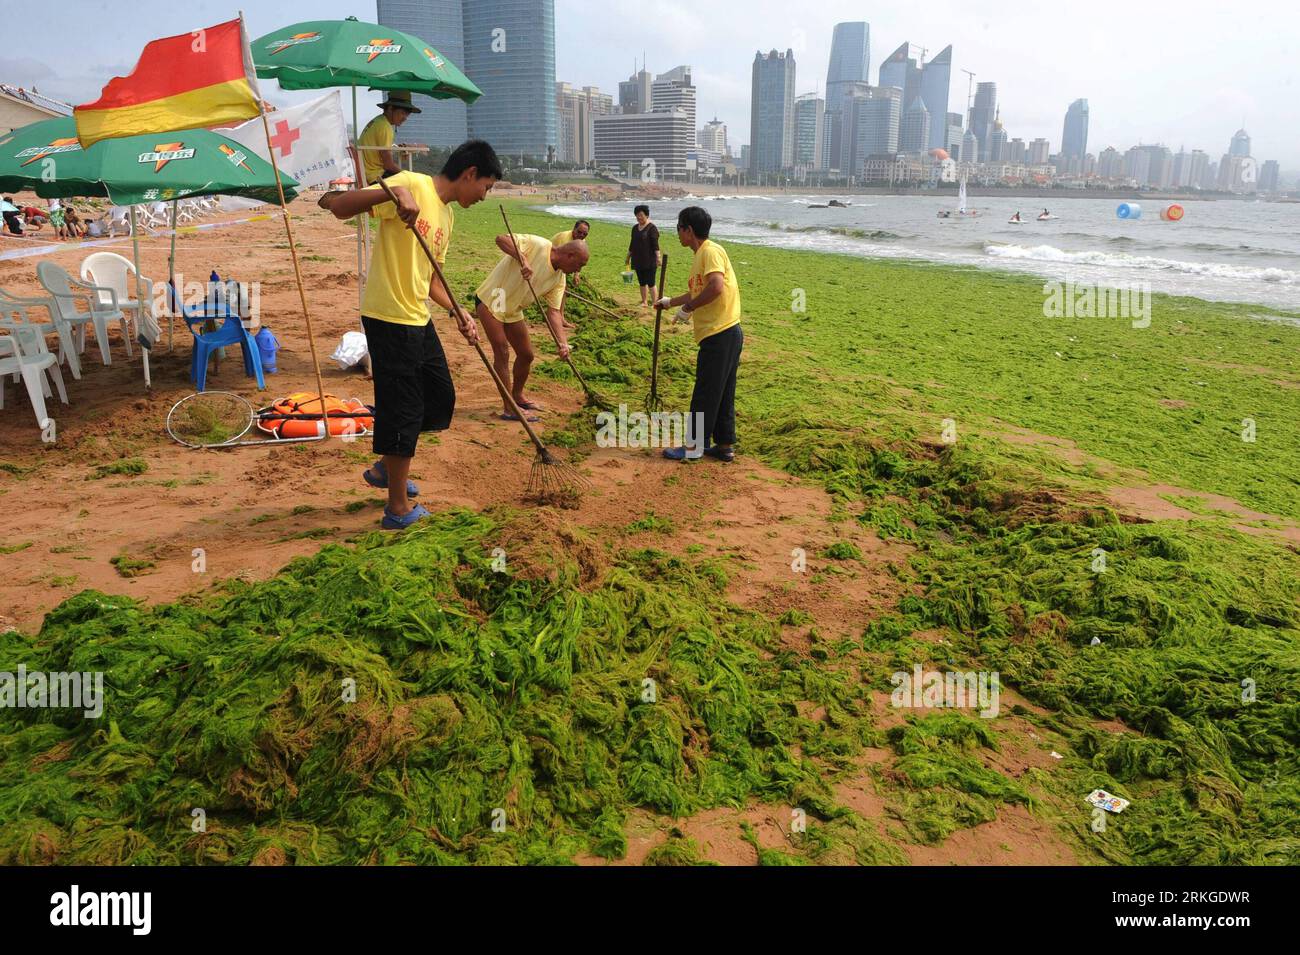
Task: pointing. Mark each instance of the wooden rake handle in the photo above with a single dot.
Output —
(654, 357)
(505, 392)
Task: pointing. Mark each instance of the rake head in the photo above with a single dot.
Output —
(552, 481)
(653, 402)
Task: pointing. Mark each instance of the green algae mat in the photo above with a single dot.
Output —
(395, 699)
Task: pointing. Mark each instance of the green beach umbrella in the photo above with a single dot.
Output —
(46, 158)
(319, 54)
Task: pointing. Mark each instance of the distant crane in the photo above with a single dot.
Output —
(970, 96)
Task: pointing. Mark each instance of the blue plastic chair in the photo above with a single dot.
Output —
(231, 332)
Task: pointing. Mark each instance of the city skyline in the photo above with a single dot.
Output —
(1189, 87)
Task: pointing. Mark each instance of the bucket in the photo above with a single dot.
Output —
(629, 278)
(267, 347)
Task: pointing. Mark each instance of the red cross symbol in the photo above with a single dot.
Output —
(284, 137)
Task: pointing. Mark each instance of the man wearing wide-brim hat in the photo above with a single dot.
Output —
(379, 160)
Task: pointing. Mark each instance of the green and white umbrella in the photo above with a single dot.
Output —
(319, 54)
(46, 158)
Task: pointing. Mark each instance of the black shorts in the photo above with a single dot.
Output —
(646, 276)
(413, 387)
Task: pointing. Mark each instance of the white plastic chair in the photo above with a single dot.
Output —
(26, 356)
(65, 291)
(119, 218)
(69, 348)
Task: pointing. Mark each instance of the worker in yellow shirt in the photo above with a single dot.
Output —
(379, 161)
(413, 387)
(581, 229)
(712, 305)
(501, 299)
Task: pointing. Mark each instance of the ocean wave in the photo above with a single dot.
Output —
(846, 231)
(1049, 253)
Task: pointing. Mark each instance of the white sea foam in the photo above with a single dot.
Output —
(1121, 260)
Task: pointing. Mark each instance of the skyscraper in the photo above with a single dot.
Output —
(953, 135)
(1269, 174)
(1240, 145)
(809, 112)
(771, 120)
(876, 126)
(850, 63)
(713, 135)
(914, 135)
(1074, 138)
(635, 93)
(1040, 151)
(901, 72)
(673, 90)
(440, 122)
(982, 115)
(936, 79)
(574, 111)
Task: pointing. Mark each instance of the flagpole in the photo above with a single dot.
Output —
(293, 252)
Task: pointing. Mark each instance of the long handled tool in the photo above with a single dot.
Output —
(594, 399)
(550, 478)
(652, 402)
(586, 301)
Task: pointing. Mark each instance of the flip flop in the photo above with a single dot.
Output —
(393, 522)
(528, 405)
(412, 489)
(680, 454)
(510, 417)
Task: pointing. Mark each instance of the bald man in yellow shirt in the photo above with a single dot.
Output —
(712, 305)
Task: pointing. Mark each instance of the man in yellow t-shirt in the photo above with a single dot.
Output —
(504, 295)
(581, 229)
(413, 386)
(379, 160)
(713, 307)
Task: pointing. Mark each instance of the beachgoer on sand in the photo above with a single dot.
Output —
(414, 392)
(501, 299)
(379, 132)
(643, 253)
(712, 305)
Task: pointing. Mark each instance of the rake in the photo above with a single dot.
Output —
(587, 301)
(594, 399)
(550, 480)
(652, 402)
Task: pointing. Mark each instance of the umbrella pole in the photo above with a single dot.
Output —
(171, 276)
(297, 269)
(139, 295)
(361, 216)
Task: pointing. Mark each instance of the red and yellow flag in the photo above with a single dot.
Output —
(201, 78)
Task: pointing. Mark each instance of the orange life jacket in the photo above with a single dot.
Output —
(346, 416)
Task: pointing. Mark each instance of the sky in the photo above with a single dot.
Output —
(1181, 73)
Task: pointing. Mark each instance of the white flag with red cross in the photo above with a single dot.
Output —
(310, 142)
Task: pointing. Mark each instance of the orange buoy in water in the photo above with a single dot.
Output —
(1172, 213)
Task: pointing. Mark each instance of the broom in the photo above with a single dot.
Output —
(550, 478)
(652, 402)
(593, 399)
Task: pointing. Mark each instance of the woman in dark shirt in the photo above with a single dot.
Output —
(643, 253)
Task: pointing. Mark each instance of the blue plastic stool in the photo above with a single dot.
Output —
(231, 332)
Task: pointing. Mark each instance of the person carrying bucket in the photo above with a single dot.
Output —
(413, 387)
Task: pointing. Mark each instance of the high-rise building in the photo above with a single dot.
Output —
(809, 115)
(635, 93)
(914, 135)
(877, 118)
(1211, 179)
(952, 135)
(1238, 174)
(510, 56)
(997, 144)
(850, 63)
(901, 72)
(1137, 165)
(1017, 152)
(1240, 145)
(982, 115)
(1110, 164)
(574, 112)
(1269, 175)
(651, 145)
(970, 147)
(1040, 151)
(771, 122)
(1074, 137)
(673, 90)
(713, 135)
(936, 79)
(440, 122)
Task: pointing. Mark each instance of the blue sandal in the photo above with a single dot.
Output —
(412, 489)
(393, 522)
(681, 454)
